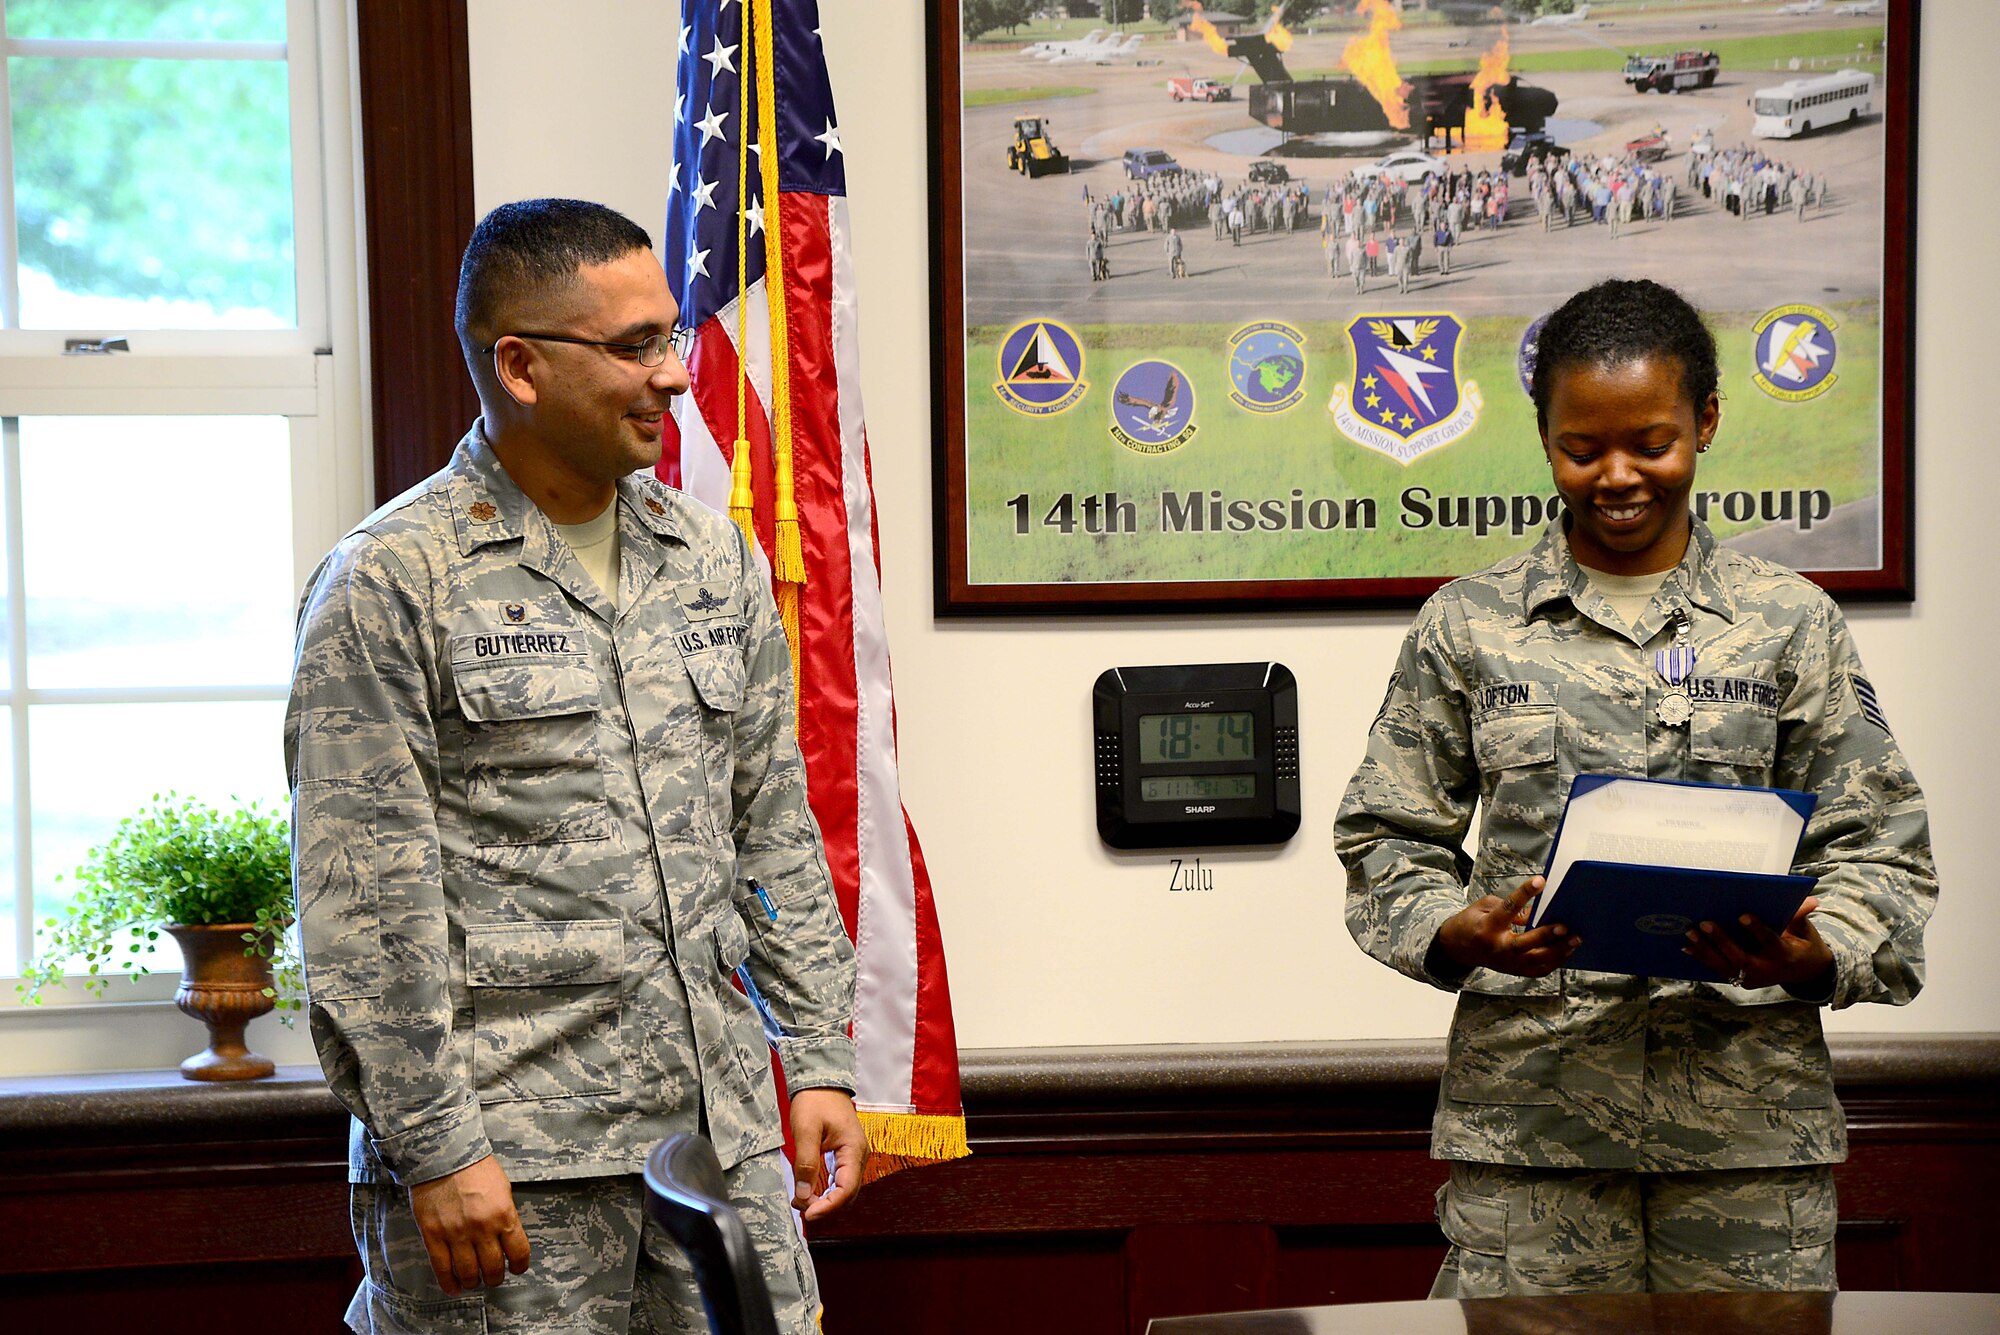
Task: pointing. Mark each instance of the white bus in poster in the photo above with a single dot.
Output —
(1800, 106)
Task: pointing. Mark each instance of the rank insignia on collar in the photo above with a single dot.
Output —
(483, 512)
(653, 504)
(515, 613)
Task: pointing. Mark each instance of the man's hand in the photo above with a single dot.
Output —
(822, 1120)
(469, 1226)
(1752, 955)
(1482, 936)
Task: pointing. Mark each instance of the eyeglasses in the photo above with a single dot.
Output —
(650, 351)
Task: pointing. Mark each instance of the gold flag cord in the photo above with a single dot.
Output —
(788, 565)
(742, 500)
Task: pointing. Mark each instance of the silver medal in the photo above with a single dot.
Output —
(1674, 666)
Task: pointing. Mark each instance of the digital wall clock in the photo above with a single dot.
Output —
(1197, 754)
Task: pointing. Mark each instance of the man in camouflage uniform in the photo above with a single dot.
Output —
(546, 801)
(1609, 1132)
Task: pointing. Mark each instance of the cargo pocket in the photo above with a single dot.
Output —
(1814, 1210)
(1476, 1227)
(732, 941)
(746, 1025)
(1759, 1056)
(1505, 1049)
(392, 1255)
(546, 1001)
(531, 771)
(340, 912)
(379, 1311)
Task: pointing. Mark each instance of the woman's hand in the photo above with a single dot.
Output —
(1484, 936)
(1752, 955)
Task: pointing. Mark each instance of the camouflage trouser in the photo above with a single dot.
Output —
(1541, 1231)
(599, 1265)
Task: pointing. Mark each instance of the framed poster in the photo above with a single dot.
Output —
(1160, 384)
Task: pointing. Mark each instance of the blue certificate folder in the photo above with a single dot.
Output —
(1634, 917)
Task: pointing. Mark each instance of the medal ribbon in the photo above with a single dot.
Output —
(1674, 664)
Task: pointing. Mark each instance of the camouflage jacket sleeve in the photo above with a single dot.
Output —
(1868, 842)
(1402, 824)
(361, 752)
(800, 959)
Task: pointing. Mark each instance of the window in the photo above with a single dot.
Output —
(176, 177)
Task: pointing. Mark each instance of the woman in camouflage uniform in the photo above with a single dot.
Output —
(1608, 1132)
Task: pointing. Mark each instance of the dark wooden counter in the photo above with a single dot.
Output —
(1624, 1314)
(1107, 1187)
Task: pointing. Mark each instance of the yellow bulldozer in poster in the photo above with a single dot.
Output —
(1032, 153)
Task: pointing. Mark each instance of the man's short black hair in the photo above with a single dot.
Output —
(522, 252)
(1622, 320)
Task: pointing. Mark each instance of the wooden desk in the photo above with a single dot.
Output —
(1623, 1314)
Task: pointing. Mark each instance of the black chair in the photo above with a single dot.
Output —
(685, 1196)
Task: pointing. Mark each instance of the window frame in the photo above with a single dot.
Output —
(313, 375)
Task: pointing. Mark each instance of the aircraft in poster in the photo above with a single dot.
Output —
(1110, 53)
(1577, 15)
(1097, 39)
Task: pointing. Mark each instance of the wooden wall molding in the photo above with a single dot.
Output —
(416, 137)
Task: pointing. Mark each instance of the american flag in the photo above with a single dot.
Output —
(907, 1055)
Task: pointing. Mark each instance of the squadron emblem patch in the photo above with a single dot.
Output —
(1041, 368)
(1404, 399)
(1152, 408)
(1524, 356)
(1794, 351)
(1267, 367)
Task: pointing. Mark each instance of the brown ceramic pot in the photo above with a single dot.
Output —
(223, 988)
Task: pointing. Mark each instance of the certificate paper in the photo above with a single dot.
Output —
(1661, 823)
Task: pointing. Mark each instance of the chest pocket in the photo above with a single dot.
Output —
(531, 755)
(1514, 724)
(1735, 722)
(719, 677)
(712, 643)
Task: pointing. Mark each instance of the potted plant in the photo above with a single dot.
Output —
(220, 882)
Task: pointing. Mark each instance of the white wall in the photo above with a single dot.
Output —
(1055, 941)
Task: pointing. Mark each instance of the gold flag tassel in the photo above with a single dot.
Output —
(788, 564)
(908, 1140)
(742, 498)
